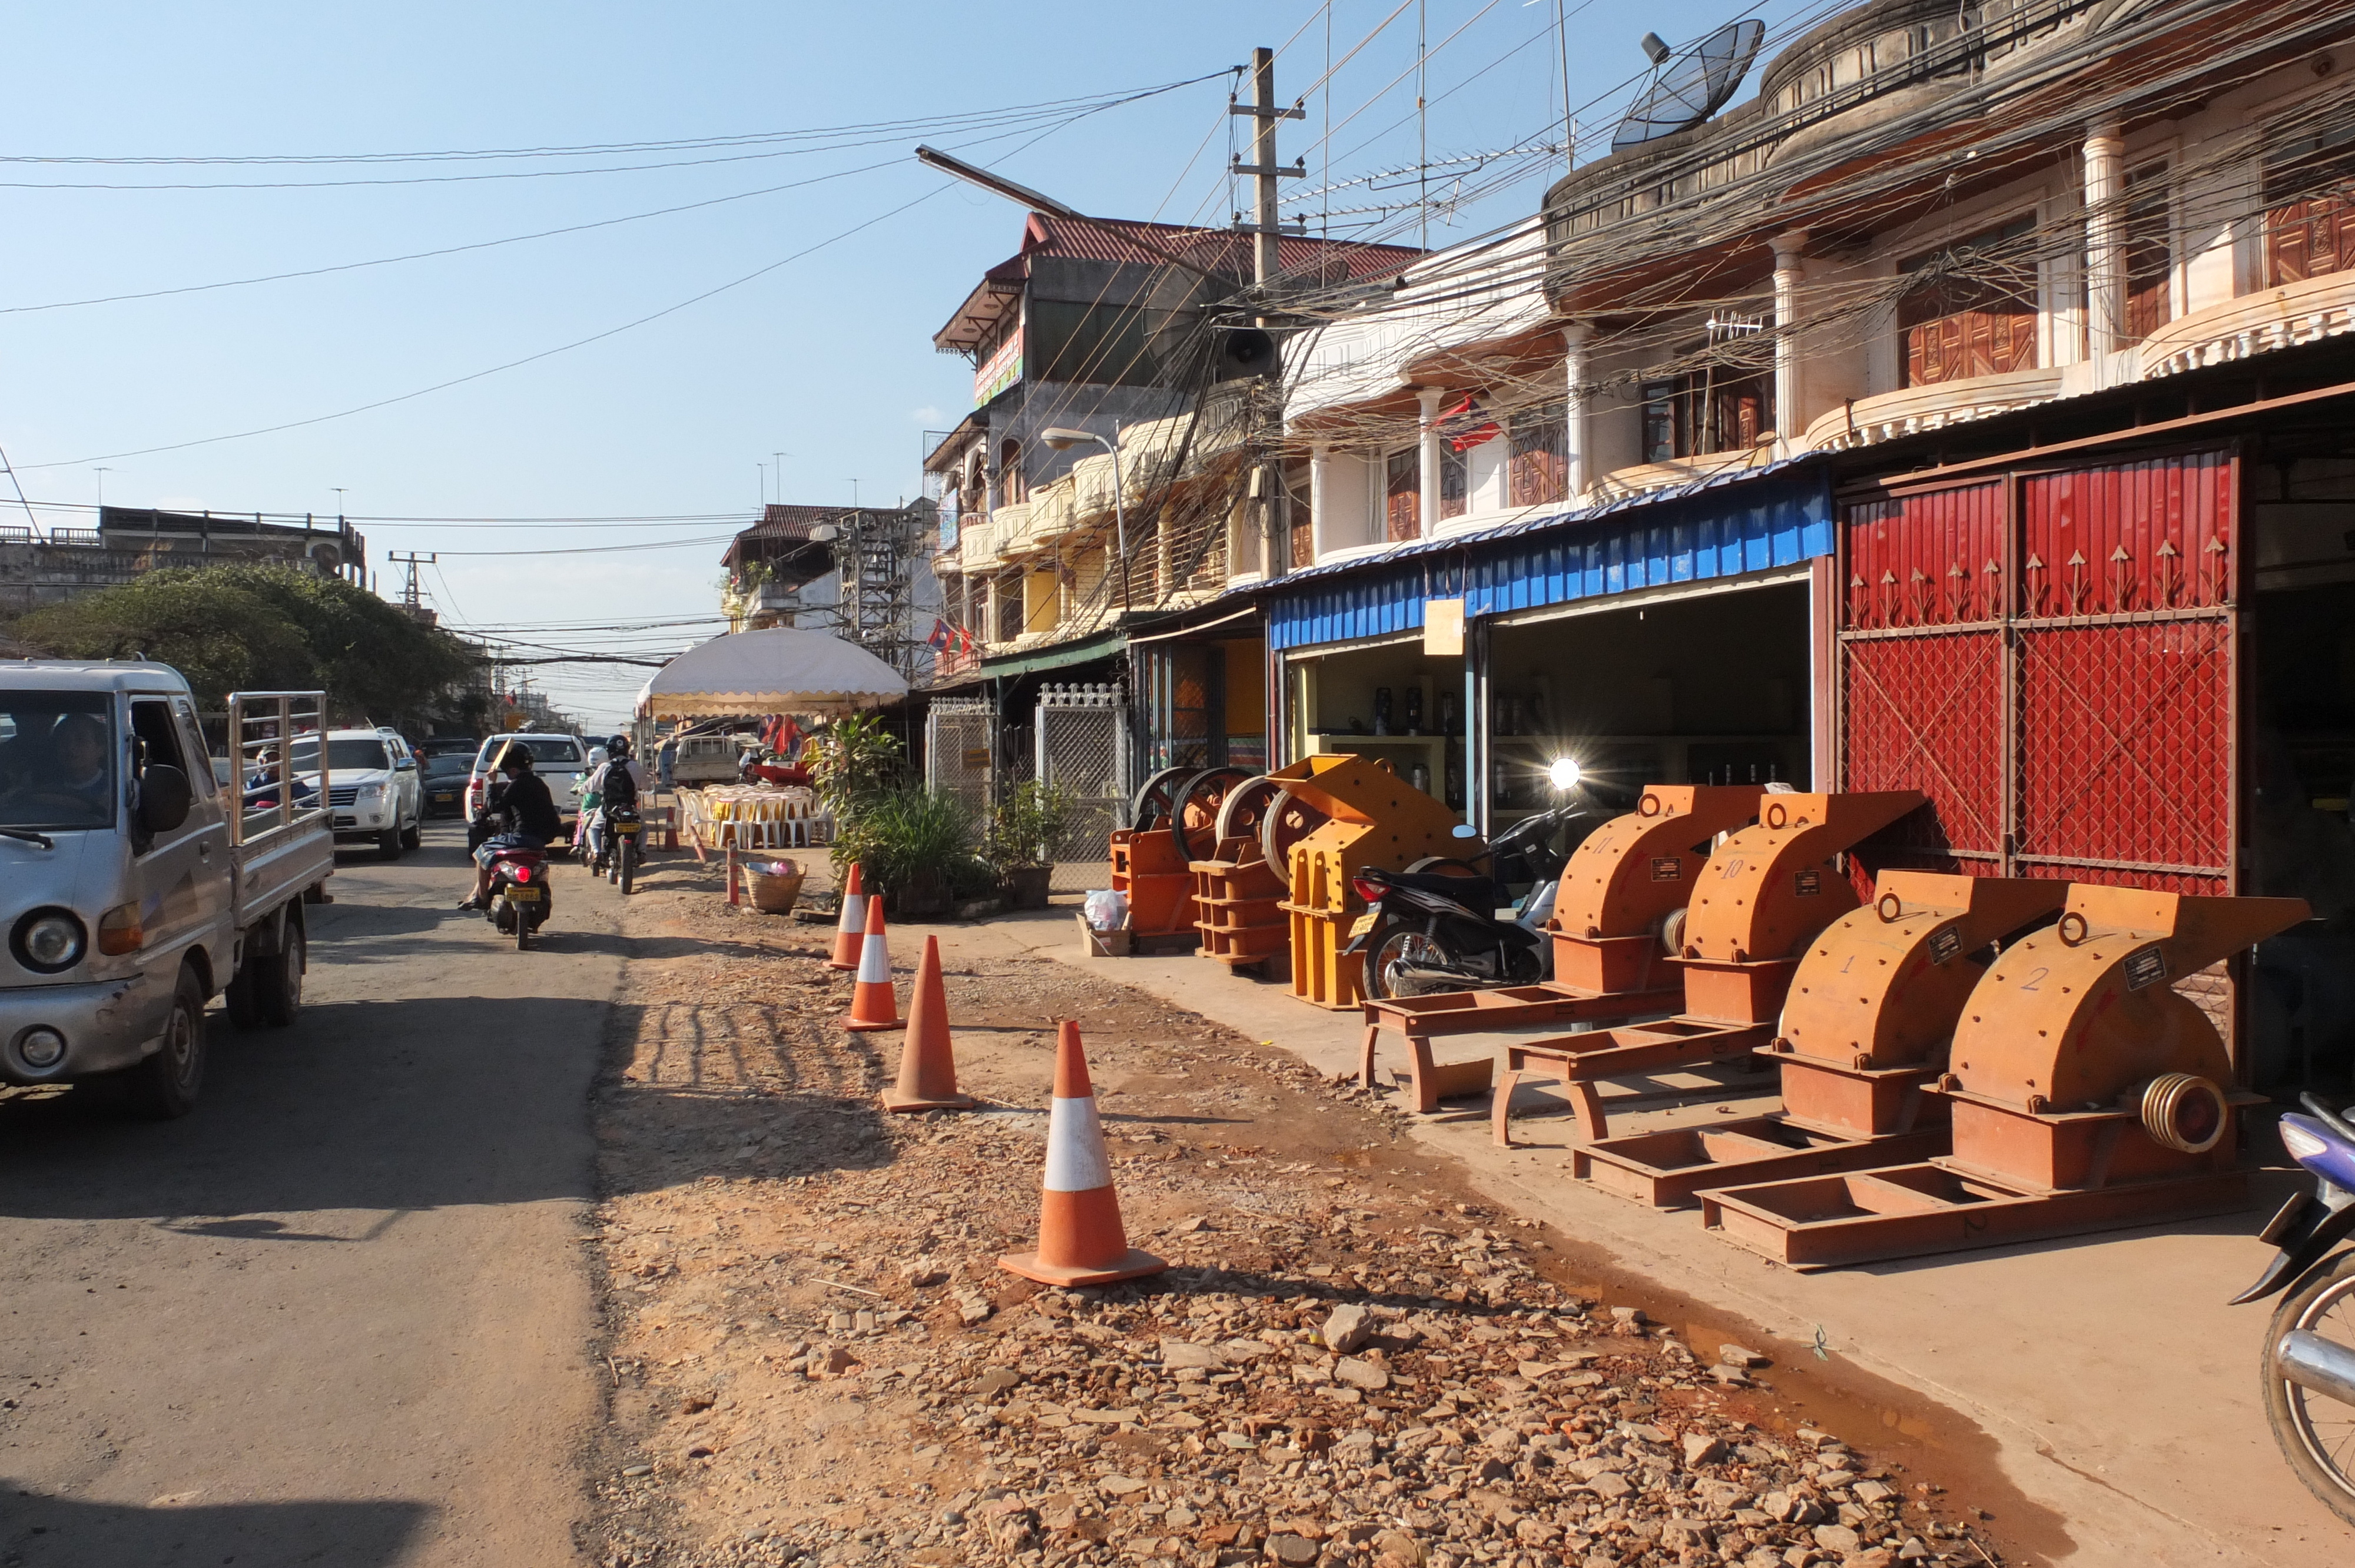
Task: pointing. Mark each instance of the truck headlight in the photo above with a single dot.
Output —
(47, 941)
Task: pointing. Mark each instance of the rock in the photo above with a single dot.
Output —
(1836, 1538)
(1870, 1492)
(923, 1276)
(1610, 1486)
(1359, 1373)
(1120, 1486)
(1633, 1315)
(1729, 1376)
(638, 1469)
(997, 1380)
(1913, 1551)
(1701, 1448)
(1181, 1353)
(973, 1307)
(1347, 1328)
(1678, 1533)
(833, 1362)
(1875, 1557)
(1396, 1549)
(1296, 1550)
(1740, 1356)
(1721, 1497)
(1013, 1529)
(700, 1451)
(1808, 1437)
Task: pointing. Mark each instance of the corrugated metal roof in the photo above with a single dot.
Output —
(1717, 527)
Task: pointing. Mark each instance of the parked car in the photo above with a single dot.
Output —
(561, 759)
(134, 887)
(444, 782)
(709, 758)
(375, 795)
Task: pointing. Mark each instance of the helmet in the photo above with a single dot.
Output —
(618, 747)
(518, 760)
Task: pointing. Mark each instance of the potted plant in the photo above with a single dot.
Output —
(913, 847)
(1026, 828)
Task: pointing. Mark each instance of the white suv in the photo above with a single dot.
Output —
(561, 760)
(374, 792)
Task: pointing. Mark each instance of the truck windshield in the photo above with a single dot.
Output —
(343, 755)
(57, 760)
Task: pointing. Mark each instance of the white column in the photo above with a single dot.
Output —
(1574, 341)
(2106, 244)
(1320, 497)
(1427, 459)
(1790, 273)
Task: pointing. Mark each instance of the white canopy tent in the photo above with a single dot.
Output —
(777, 671)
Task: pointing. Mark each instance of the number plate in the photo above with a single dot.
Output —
(627, 830)
(522, 895)
(1363, 923)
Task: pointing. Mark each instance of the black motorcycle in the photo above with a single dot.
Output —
(617, 859)
(521, 897)
(1434, 927)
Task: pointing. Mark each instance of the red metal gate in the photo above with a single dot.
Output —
(2049, 655)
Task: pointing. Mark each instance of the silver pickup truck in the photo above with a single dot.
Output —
(135, 884)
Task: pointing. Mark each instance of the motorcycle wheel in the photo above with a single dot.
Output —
(627, 860)
(522, 932)
(2314, 1431)
(1396, 943)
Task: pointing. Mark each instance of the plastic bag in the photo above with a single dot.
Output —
(1106, 909)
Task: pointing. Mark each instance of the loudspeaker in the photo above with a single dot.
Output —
(1244, 353)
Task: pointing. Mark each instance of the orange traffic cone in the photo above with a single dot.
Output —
(1081, 1241)
(847, 930)
(927, 1062)
(872, 1004)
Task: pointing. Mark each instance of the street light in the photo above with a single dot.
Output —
(1062, 440)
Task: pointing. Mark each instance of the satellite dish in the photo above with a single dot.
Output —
(1692, 86)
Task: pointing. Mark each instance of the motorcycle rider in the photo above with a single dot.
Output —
(528, 819)
(616, 785)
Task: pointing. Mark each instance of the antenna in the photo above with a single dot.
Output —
(1689, 87)
(410, 599)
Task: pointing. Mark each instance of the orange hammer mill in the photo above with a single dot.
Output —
(1372, 817)
(1151, 862)
(2087, 1093)
(1764, 895)
(1237, 889)
(1865, 1028)
(1623, 886)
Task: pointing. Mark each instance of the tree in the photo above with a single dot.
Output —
(231, 627)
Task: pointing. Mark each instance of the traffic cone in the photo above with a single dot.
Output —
(872, 1004)
(1081, 1241)
(847, 930)
(927, 1062)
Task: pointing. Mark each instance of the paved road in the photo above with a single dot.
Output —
(337, 1315)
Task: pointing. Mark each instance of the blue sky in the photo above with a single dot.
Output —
(827, 358)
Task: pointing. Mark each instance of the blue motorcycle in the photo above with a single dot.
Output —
(2308, 1367)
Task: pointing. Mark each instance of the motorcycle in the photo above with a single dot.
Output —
(521, 896)
(2308, 1366)
(1434, 927)
(618, 858)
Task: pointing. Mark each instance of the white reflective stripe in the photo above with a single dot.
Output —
(874, 962)
(854, 913)
(1075, 1148)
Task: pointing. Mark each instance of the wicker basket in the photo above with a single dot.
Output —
(773, 895)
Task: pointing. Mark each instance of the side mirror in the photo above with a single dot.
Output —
(1465, 831)
(406, 765)
(164, 798)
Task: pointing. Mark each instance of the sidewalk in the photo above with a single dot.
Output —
(2115, 1387)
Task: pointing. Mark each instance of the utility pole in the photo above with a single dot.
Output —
(1263, 168)
(408, 595)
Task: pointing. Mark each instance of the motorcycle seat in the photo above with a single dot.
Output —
(1477, 892)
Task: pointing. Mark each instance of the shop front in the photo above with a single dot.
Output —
(1671, 639)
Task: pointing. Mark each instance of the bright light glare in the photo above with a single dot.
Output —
(1563, 773)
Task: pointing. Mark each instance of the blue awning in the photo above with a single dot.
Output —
(1777, 516)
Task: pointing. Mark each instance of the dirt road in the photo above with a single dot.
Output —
(337, 1315)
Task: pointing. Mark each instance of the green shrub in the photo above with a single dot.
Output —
(894, 835)
(1027, 825)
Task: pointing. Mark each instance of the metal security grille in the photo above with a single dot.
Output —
(2049, 658)
(960, 738)
(1081, 741)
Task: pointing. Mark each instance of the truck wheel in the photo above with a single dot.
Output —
(278, 978)
(244, 1005)
(165, 1086)
(388, 844)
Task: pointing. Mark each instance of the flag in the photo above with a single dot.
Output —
(943, 636)
(1466, 436)
(965, 640)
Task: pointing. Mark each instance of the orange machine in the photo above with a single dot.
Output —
(1238, 890)
(1865, 1030)
(1624, 886)
(1373, 818)
(2085, 1092)
(1153, 862)
(1766, 893)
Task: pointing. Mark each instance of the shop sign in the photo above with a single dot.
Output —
(1442, 627)
(999, 371)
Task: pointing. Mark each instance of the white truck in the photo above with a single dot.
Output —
(135, 885)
